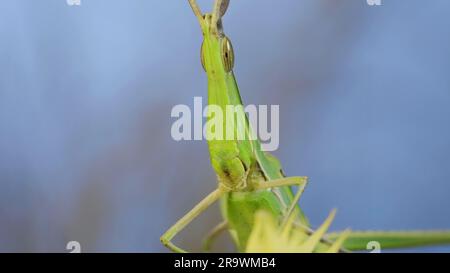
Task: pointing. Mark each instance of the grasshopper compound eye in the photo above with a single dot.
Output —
(202, 56)
(227, 54)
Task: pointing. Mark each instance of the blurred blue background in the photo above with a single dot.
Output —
(86, 93)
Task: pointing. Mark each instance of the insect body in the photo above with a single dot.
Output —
(250, 179)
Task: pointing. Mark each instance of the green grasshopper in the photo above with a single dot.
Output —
(249, 179)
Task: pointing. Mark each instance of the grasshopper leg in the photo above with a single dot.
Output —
(212, 235)
(300, 181)
(166, 238)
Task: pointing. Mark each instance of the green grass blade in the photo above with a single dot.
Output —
(358, 240)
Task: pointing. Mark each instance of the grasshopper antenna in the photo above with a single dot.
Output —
(196, 9)
(220, 8)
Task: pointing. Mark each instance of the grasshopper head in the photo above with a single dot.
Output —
(217, 55)
(220, 8)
